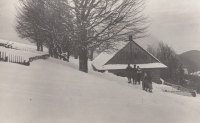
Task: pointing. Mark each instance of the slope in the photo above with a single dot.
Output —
(52, 91)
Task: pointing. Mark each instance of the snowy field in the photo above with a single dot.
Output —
(21, 46)
(54, 91)
(23, 52)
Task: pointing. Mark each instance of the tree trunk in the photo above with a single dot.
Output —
(41, 47)
(83, 59)
(91, 54)
(38, 46)
(68, 55)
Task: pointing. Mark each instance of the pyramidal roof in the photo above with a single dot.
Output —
(131, 54)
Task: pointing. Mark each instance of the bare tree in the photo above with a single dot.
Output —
(167, 56)
(43, 22)
(108, 20)
(27, 18)
(152, 49)
(82, 25)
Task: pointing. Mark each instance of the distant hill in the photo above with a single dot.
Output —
(191, 60)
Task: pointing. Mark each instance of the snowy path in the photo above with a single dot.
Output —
(51, 91)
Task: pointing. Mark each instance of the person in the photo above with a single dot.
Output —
(134, 74)
(139, 72)
(147, 83)
(128, 71)
(144, 81)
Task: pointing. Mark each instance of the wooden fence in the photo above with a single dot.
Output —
(13, 58)
(20, 59)
(45, 56)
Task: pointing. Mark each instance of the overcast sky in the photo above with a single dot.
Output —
(175, 22)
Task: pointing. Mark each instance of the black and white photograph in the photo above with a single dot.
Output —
(99, 61)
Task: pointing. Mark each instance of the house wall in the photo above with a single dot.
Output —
(155, 74)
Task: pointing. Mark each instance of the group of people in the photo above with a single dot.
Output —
(135, 75)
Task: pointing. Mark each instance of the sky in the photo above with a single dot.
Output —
(175, 22)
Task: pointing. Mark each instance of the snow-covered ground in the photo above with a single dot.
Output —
(54, 91)
(20, 45)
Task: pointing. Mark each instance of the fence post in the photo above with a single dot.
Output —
(2, 55)
(17, 59)
(5, 57)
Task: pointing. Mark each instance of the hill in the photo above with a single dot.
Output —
(54, 91)
(191, 60)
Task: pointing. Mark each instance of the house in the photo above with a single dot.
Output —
(132, 54)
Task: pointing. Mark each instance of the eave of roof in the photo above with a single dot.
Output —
(156, 65)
